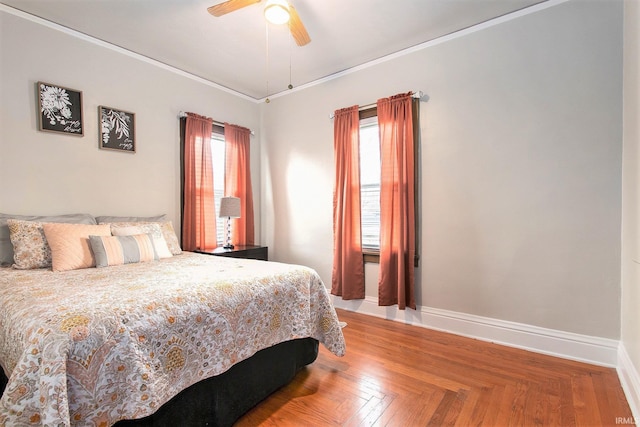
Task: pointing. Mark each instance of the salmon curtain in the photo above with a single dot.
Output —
(348, 266)
(238, 181)
(397, 202)
(198, 216)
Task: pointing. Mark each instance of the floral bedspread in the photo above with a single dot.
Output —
(94, 346)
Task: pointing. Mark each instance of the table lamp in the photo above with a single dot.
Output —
(229, 208)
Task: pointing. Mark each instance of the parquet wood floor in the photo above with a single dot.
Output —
(401, 375)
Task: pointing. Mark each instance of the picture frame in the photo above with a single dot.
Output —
(117, 129)
(59, 109)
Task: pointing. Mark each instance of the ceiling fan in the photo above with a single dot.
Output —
(275, 11)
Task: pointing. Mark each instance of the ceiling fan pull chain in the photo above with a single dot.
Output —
(290, 50)
(267, 100)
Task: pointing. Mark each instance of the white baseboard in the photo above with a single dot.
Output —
(584, 348)
(630, 380)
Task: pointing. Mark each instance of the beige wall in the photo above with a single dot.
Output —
(631, 189)
(46, 173)
(521, 168)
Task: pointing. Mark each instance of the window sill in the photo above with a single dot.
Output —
(372, 256)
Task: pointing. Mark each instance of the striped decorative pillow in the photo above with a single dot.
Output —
(152, 228)
(117, 250)
(168, 233)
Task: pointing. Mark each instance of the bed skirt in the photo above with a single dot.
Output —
(223, 399)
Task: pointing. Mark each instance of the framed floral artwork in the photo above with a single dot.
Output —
(59, 109)
(117, 129)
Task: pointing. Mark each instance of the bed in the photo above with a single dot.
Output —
(193, 338)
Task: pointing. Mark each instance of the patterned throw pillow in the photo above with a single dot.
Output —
(30, 247)
(170, 236)
(159, 242)
(6, 247)
(118, 250)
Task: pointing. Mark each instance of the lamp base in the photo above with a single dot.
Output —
(228, 244)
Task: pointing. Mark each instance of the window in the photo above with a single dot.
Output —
(370, 168)
(370, 183)
(218, 159)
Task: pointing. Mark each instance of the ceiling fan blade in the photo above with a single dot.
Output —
(297, 29)
(229, 6)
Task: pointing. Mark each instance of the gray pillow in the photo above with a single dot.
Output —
(6, 248)
(106, 219)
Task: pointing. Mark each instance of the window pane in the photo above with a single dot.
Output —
(218, 159)
(370, 183)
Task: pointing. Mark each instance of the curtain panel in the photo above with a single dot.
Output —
(397, 202)
(198, 216)
(348, 265)
(238, 181)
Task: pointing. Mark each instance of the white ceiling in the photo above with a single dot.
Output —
(231, 50)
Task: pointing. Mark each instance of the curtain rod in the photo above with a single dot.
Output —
(416, 94)
(182, 115)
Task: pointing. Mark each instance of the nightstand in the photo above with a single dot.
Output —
(240, 251)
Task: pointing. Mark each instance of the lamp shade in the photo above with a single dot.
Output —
(230, 207)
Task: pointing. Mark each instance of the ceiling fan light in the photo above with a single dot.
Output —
(277, 12)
